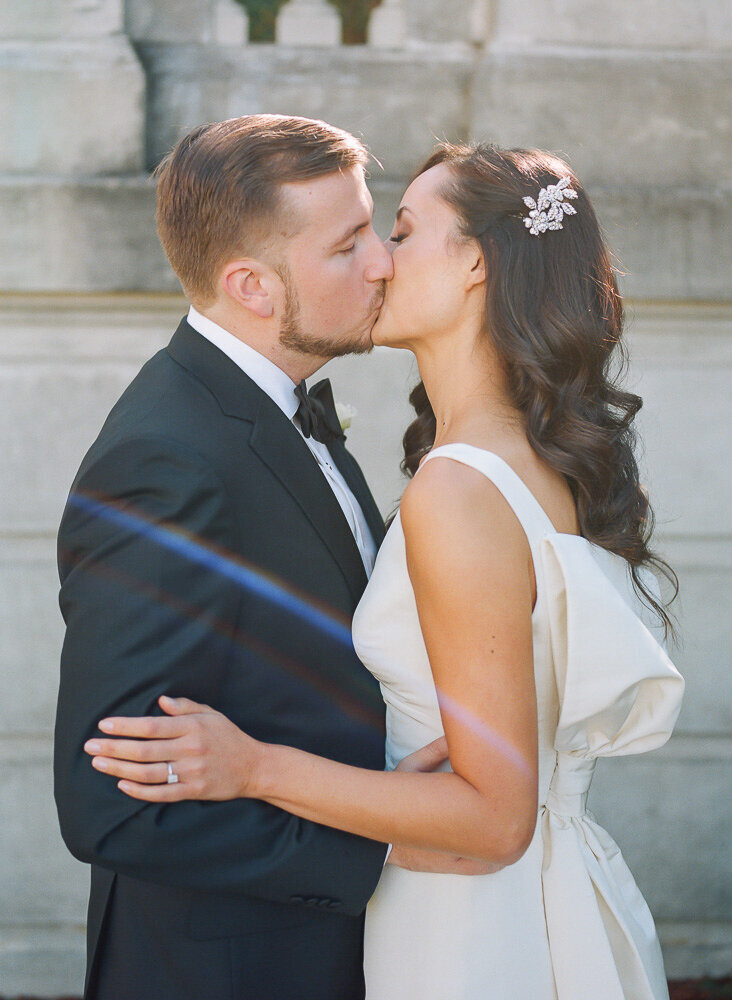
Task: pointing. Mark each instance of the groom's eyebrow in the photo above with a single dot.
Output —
(351, 232)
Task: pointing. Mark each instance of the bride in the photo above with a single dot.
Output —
(508, 618)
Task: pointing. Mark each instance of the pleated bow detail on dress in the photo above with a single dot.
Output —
(619, 693)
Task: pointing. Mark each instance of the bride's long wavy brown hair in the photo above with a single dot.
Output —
(555, 316)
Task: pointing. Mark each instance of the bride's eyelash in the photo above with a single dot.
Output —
(397, 239)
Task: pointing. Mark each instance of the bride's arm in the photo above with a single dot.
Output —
(470, 568)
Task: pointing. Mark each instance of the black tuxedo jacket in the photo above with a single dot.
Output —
(203, 554)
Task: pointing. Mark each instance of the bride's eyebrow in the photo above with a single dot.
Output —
(403, 208)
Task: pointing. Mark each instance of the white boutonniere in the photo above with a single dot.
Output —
(345, 414)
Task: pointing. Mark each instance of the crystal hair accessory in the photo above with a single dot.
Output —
(550, 207)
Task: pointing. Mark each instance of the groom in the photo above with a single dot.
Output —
(215, 543)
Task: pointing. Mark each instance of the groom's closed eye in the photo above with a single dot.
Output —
(351, 234)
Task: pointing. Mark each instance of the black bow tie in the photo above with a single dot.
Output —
(316, 412)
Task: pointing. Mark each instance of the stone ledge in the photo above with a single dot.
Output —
(98, 235)
(397, 99)
(68, 329)
(201, 21)
(651, 110)
(45, 961)
(437, 22)
(619, 117)
(698, 949)
(670, 242)
(73, 106)
(51, 19)
(82, 234)
(603, 24)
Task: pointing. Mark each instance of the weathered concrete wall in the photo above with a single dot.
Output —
(203, 22)
(388, 97)
(94, 91)
(71, 89)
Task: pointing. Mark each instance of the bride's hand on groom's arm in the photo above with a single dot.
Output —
(212, 758)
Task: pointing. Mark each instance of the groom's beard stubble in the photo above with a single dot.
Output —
(294, 337)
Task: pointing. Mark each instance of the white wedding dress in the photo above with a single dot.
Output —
(567, 921)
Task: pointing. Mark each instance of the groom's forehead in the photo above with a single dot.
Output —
(335, 205)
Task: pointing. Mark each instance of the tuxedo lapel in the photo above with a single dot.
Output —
(322, 393)
(283, 451)
(357, 484)
(237, 394)
(277, 443)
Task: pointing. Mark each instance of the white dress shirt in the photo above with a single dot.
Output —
(281, 390)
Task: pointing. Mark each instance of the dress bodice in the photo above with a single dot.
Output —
(604, 686)
(388, 638)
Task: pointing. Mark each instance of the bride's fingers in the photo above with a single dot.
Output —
(143, 751)
(147, 727)
(154, 793)
(147, 774)
(438, 748)
(181, 706)
(427, 758)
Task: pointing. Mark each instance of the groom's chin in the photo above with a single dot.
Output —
(365, 343)
(357, 345)
(364, 346)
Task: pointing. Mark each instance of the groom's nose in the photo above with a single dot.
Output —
(380, 266)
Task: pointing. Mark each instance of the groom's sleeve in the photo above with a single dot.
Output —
(150, 608)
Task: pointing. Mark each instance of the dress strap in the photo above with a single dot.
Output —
(531, 515)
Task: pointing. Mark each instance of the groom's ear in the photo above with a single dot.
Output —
(251, 285)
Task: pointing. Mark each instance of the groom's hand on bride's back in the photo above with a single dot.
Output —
(414, 859)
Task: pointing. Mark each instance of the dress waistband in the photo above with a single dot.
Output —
(567, 795)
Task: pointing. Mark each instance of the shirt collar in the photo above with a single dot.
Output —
(277, 384)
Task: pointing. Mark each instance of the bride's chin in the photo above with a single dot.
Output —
(380, 334)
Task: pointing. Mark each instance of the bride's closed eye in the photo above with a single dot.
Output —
(398, 238)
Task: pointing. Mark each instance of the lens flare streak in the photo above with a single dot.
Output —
(243, 576)
(448, 706)
(177, 541)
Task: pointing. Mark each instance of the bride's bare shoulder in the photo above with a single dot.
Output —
(451, 499)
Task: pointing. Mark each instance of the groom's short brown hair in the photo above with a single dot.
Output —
(219, 189)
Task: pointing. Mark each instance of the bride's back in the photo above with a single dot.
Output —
(603, 686)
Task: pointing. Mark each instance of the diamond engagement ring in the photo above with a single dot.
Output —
(172, 776)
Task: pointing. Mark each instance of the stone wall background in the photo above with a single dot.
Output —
(92, 92)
